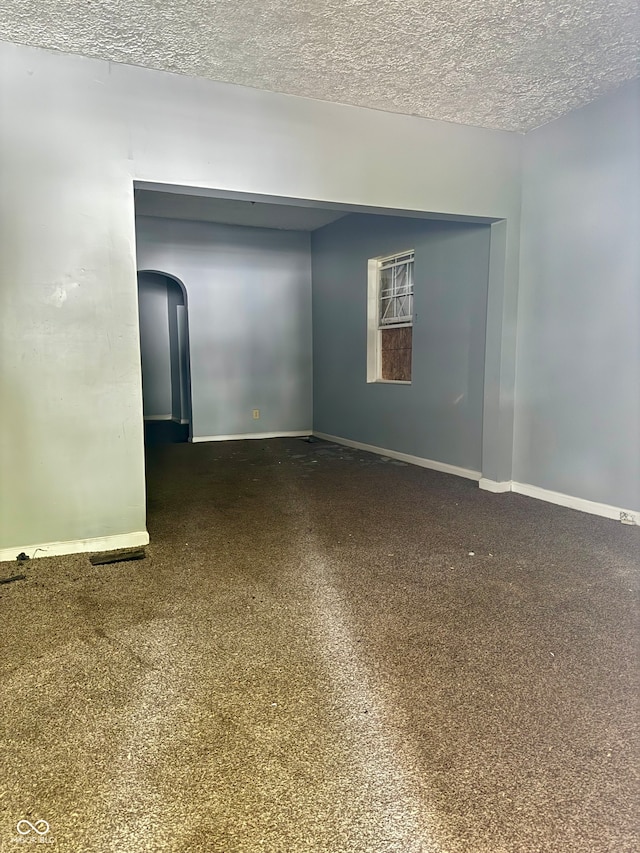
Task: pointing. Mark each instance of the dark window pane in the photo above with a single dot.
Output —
(396, 353)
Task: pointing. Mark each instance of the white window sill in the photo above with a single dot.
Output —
(389, 382)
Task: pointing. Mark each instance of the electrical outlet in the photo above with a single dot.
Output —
(628, 518)
(256, 414)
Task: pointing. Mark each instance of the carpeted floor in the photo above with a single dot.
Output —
(327, 651)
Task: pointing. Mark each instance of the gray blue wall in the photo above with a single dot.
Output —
(438, 416)
(577, 426)
(249, 309)
(178, 353)
(155, 346)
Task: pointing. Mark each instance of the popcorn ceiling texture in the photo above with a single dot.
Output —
(507, 64)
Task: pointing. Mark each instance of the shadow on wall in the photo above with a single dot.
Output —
(164, 350)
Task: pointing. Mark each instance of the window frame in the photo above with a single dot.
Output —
(374, 325)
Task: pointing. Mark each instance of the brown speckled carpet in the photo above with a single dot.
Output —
(326, 651)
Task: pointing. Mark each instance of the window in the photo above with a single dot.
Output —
(390, 318)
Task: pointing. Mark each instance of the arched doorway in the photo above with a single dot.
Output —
(164, 350)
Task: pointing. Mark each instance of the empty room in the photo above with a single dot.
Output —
(320, 455)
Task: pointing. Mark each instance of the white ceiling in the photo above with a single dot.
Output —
(227, 211)
(509, 64)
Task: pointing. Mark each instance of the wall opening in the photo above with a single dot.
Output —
(449, 353)
(164, 352)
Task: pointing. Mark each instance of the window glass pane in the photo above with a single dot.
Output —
(396, 290)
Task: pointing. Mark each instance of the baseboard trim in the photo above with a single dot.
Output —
(158, 417)
(77, 546)
(582, 504)
(495, 486)
(443, 467)
(245, 435)
(626, 516)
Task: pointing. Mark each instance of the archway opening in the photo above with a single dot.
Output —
(164, 351)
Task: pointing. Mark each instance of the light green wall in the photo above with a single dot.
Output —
(74, 135)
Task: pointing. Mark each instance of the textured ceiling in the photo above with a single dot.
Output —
(509, 64)
(233, 211)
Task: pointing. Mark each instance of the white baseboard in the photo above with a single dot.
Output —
(242, 436)
(495, 486)
(443, 467)
(78, 546)
(166, 418)
(626, 516)
(581, 504)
